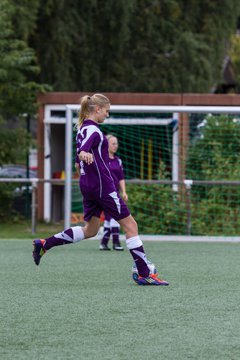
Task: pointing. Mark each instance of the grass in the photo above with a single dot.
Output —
(23, 230)
(82, 304)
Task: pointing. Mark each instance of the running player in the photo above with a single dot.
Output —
(98, 190)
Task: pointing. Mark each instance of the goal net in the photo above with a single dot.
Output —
(182, 169)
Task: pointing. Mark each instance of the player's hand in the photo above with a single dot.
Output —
(86, 157)
(125, 196)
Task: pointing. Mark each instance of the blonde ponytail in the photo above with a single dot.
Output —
(88, 104)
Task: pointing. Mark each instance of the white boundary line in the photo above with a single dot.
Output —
(178, 238)
(162, 238)
(191, 238)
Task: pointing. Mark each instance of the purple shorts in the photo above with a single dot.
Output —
(106, 216)
(112, 204)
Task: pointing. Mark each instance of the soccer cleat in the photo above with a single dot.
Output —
(118, 247)
(152, 279)
(38, 250)
(104, 247)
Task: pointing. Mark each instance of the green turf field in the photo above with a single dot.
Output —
(81, 303)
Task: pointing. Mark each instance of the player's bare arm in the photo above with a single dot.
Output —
(122, 186)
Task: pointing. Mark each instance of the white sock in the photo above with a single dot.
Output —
(77, 233)
(133, 242)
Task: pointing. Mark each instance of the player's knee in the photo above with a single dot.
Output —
(134, 225)
(130, 226)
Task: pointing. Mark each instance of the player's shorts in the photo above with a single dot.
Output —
(111, 203)
(110, 222)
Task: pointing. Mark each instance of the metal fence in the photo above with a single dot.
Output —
(34, 183)
(188, 197)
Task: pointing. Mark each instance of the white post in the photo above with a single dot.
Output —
(68, 168)
(175, 151)
(34, 206)
(47, 173)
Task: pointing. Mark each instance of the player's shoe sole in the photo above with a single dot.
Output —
(103, 247)
(38, 250)
(118, 247)
(151, 280)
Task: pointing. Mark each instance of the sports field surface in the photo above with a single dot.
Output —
(81, 303)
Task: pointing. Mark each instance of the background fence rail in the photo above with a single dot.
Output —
(194, 214)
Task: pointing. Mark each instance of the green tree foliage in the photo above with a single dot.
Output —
(81, 44)
(212, 210)
(6, 198)
(18, 91)
(17, 64)
(99, 45)
(136, 45)
(165, 213)
(235, 58)
(214, 155)
(54, 40)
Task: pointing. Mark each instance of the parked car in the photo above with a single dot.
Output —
(16, 171)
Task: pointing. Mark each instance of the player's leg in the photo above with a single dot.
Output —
(135, 246)
(106, 235)
(118, 210)
(74, 234)
(68, 236)
(115, 231)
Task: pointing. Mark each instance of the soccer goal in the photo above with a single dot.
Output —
(181, 167)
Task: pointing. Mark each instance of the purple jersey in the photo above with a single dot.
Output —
(115, 166)
(96, 179)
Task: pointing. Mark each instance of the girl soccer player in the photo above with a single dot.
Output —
(98, 190)
(111, 226)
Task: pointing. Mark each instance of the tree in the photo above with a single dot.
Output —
(17, 90)
(136, 45)
(179, 46)
(81, 44)
(214, 154)
(17, 63)
(235, 58)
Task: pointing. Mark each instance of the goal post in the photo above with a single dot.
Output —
(150, 120)
(68, 166)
